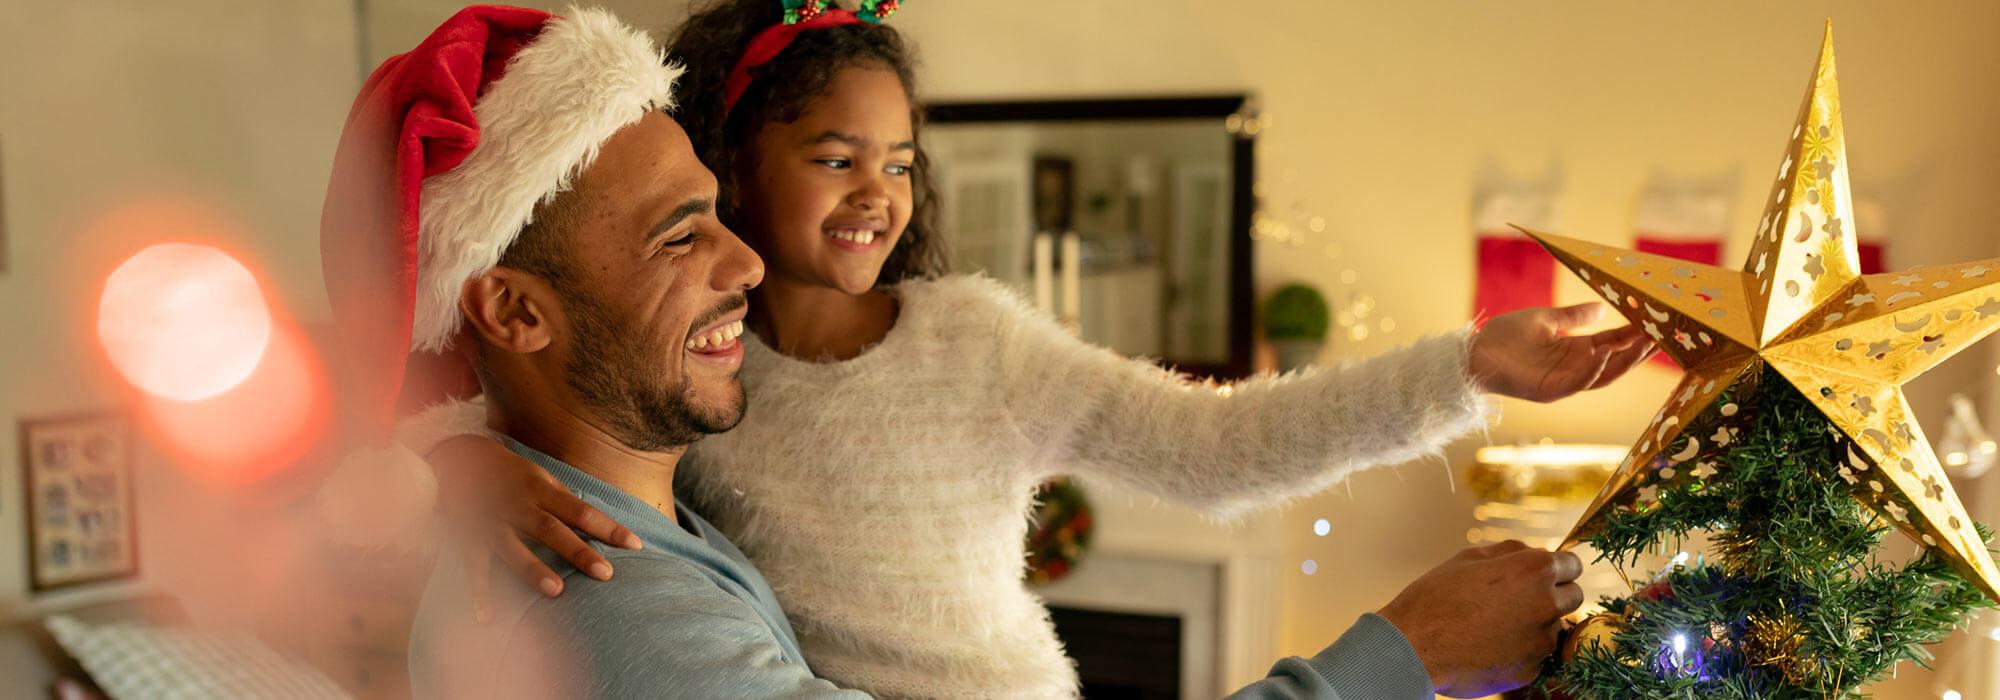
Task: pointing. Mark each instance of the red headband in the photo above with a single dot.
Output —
(768, 44)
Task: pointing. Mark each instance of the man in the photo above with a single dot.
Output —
(512, 188)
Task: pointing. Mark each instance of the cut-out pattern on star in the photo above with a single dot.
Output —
(1847, 342)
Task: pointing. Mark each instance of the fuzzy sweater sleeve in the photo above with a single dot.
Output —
(1226, 449)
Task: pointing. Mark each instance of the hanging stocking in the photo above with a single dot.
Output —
(1513, 271)
(1869, 222)
(1684, 221)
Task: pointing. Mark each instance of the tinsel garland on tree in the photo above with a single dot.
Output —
(1792, 601)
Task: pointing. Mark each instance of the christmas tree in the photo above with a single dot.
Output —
(1789, 442)
(1791, 602)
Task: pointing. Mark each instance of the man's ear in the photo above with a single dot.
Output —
(509, 309)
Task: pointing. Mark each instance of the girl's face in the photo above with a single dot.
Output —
(827, 196)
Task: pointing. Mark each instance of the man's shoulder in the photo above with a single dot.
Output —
(655, 603)
(647, 578)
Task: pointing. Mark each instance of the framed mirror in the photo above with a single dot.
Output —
(1128, 218)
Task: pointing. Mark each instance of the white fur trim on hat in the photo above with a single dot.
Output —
(584, 77)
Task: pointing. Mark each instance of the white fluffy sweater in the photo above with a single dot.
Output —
(885, 497)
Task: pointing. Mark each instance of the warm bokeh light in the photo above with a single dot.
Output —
(256, 429)
(182, 321)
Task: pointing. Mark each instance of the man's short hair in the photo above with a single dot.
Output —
(545, 246)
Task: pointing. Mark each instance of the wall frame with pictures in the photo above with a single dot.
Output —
(76, 474)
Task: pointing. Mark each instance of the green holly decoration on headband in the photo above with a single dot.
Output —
(797, 11)
(877, 10)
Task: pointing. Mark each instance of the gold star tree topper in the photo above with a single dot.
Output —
(1846, 341)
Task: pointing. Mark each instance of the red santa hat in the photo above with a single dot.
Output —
(445, 155)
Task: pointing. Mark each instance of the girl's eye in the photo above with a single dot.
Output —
(898, 170)
(840, 163)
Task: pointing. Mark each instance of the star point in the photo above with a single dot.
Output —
(1800, 307)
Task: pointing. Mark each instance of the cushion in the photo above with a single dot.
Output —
(132, 660)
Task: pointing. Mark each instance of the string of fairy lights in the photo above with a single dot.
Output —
(1356, 315)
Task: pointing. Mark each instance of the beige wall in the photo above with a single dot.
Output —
(228, 102)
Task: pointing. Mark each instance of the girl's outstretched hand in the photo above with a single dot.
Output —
(1527, 354)
(498, 501)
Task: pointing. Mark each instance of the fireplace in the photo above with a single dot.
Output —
(1122, 656)
(1139, 627)
(1150, 562)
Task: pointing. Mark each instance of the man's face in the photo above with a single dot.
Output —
(653, 293)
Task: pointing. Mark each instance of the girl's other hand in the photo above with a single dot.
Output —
(1527, 354)
(498, 501)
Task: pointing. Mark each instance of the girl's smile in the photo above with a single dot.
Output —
(856, 235)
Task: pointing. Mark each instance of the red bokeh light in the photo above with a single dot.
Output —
(230, 390)
(255, 430)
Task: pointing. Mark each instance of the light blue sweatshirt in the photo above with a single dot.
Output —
(688, 616)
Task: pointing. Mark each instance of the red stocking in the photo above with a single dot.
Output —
(1513, 272)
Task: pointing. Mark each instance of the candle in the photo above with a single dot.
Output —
(1045, 278)
(1072, 274)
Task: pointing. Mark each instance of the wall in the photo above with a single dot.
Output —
(232, 104)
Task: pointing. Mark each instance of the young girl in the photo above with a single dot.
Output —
(899, 418)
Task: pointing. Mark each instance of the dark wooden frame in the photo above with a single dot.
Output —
(1242, 172)
(31, 499)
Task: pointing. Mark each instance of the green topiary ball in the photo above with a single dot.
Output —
(1295, 312)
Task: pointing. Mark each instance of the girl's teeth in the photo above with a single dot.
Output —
(861, 237)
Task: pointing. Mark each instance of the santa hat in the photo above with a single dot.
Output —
(445, 155)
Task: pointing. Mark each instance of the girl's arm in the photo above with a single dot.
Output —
(498, 503)
(1226, 449)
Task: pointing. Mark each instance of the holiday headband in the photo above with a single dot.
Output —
(445, 155)
(800, 15)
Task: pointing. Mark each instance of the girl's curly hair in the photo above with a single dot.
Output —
(710, 43)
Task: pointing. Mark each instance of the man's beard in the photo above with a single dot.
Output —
(618, 373)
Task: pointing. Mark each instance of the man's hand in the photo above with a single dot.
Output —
(1526, 355)
(1482, 621)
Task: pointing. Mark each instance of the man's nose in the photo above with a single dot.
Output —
(738, 269)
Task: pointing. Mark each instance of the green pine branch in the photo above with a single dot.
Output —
(1792, 550)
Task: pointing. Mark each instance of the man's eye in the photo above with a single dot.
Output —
(684, 240)
(841, 163)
